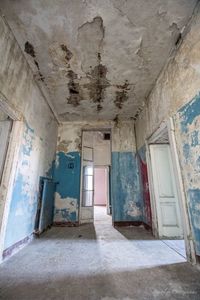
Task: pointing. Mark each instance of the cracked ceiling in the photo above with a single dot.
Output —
(93, 59)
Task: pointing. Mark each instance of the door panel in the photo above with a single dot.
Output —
(87, 186)
(165, 192)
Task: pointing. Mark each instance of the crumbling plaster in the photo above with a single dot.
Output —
(178, 83)
(97, 60)
(125, 189)
(36, 141)
(176, 95)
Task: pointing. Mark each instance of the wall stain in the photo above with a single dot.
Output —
(29, 49)
(116, 120)
(41, 77)
(74, 89)
(98, 83)
(78, 144)
(121, 94)
(68, 53)
(63, 146)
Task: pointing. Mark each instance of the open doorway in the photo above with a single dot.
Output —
(102, 207)
(95, 203)
(166, 205)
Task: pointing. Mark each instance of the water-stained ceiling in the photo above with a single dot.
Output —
(97, 59)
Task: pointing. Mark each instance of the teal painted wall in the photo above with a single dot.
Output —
(187, 123)
(67, 174)
(125, 187)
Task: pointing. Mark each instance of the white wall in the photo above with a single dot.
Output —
(100, 186)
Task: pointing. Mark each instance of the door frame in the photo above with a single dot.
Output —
(10, 165)
(101, 129)
(187, 232)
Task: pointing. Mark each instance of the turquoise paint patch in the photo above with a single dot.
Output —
(189, 112)
(22, 214)
(194, 207)
(186, 151)
(189, 136)
(195, 138)
(24, 200)
(28, 138)
(67, 173)
(125, 185)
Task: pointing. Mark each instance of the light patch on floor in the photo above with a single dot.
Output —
(98, 262)
(101, 216)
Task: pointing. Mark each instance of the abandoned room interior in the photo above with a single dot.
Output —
(99, 149)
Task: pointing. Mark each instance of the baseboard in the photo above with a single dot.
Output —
(147, 227)
(131, 223)
(17, 246)
(65, 224)
(127, 223)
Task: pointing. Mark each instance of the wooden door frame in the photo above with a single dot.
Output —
(189, 243)
(187, 231)
(94, 129)
(10, 166)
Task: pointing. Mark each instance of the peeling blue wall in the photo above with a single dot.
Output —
(37, 143)
(67, 174)
(188, 121)
(24, 197)
(125, 187)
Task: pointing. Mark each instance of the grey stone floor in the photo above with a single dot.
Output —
(98, 262)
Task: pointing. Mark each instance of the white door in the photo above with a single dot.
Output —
(5, 128)
(165, 192)
(87, 182)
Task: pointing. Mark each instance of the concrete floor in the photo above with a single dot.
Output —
(98, 262)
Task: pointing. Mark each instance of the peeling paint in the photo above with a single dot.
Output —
(34, 148)
(188, 125)
(66, 209)
(67, 175)
(98, 83)
(29, 49)
(126, 197)
(68, 53)
(121, 94)
(71, 38)
(189, 112)
(74, 89)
